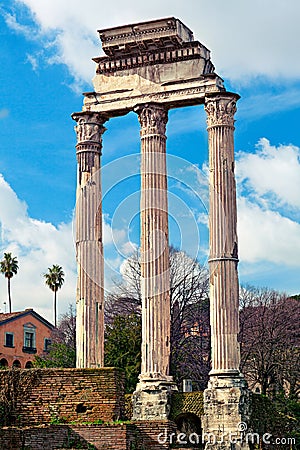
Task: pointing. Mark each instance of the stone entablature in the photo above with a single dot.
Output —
(188, 50)
(112, 99)
(160, 33)
(156, 61)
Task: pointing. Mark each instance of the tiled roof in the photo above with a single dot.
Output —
(7, 317)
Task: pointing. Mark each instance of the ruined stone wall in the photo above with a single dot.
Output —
(44, 396)
(181, 403)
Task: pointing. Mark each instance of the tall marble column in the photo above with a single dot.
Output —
(226, 399)
(151, 399)
(223, 258)
(89, 245)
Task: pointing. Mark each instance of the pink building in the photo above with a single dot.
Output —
(23, 335)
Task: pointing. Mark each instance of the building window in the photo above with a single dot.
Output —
(47, 344)
(9, 340)
(29, 339)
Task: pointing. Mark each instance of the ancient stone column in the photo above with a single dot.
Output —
(151, 398)
(89, 245)
(225, 400)
(223, 258)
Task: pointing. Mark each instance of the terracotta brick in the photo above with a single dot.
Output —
(43, 396)
(138, 435)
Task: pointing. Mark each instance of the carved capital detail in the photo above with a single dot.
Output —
(220, 110)
(153, 119)
(89, 128)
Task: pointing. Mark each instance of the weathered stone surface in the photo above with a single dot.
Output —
(89, 243)
(156, 61)
(155, 270)
(223, 259)
(226, 414)
(152, 400)
(152, 395)
(140, 88)
(226, 399)
(155, 34)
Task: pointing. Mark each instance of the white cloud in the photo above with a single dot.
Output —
(71, 52)
(203, 219)
(266, 235)
(268, 204)
(247, 39)
(12, 22)
(271, 173)
(33, 60)
(107, 231)
(37, 245)
(129, 248)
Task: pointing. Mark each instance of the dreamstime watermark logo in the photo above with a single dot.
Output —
(242, 435)
(121, 201)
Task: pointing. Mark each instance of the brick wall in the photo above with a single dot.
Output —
(64, 437)
(35, 399)
(154, 435)
(42, 396)
(138, 436)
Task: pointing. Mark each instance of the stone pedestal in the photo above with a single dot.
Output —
(152, 399)
(226, 413)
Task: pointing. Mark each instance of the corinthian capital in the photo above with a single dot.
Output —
(89, 128)
(153, 119)
(220, 109)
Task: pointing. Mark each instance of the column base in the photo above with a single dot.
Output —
(226, 413)
(152, 398)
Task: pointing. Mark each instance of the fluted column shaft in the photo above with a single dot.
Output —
(155, 276)
(223, 259)
(89, 246)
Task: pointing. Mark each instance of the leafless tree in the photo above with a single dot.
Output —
(125, 298)
(270, 338)
(190, 331)
(65, 333)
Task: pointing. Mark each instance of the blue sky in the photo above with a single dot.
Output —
(46, 51)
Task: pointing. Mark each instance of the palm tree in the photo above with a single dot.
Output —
(9, 267)
(54, 280)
